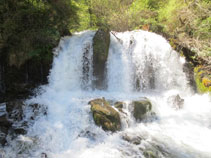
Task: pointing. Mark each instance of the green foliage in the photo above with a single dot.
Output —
(32, 28)
(86, 20)
(168, 11)
(138, 5)
(199, 81)
(35, 26)
(108, 13)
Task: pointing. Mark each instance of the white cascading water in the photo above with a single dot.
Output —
(140, 64)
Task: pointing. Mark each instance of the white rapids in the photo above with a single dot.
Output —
(140, 64)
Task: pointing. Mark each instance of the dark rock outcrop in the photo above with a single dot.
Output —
(141, 108)
(104, 115)
(5, 124)
(12, 118)
(10, 114)
(18, 82)
(188, 68)
(101, 42)
(3, 134)
(15, 110)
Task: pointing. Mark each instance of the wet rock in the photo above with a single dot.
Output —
(176, 101)
(141, 108)
(44, 155)
(15, 110)
(20, 81)
(101, 42)
(157, 150)
(4, 122)
(37, 109)
(119, 106)
(104, 115)
(3, 134)
(11, 120)
(87, 134)
(188, 68)
(20, 131)
(150, 154)
(132, 139)
(19, 91)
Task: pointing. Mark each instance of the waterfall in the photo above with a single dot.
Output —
(139, 64)
(143, 61)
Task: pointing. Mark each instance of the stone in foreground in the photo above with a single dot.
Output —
(141, 108)
(104, 115)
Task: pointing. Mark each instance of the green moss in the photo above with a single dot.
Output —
(149, 154)
(104, 115)
(199, 81)
(141, 108)
(32, 28)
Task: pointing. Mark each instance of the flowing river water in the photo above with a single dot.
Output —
(140, 64)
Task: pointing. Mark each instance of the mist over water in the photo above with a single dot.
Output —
(140, 64)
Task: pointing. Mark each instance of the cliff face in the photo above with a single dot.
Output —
(29, 31)
(18, 82)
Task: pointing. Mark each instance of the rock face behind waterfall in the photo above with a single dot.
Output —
(141, 108)
(101, 42)
(104, 115)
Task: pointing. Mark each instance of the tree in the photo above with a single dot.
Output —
(34, 27)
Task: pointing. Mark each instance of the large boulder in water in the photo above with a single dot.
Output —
(101, 42)
(104, 115)
(141, 108)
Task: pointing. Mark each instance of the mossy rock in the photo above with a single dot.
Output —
(150, 154)
(104, 115)
(136, 140)
(141, 108)
(101, 42)
(119, 105)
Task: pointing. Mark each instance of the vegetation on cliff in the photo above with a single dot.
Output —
(32, 28)
(203, 79)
